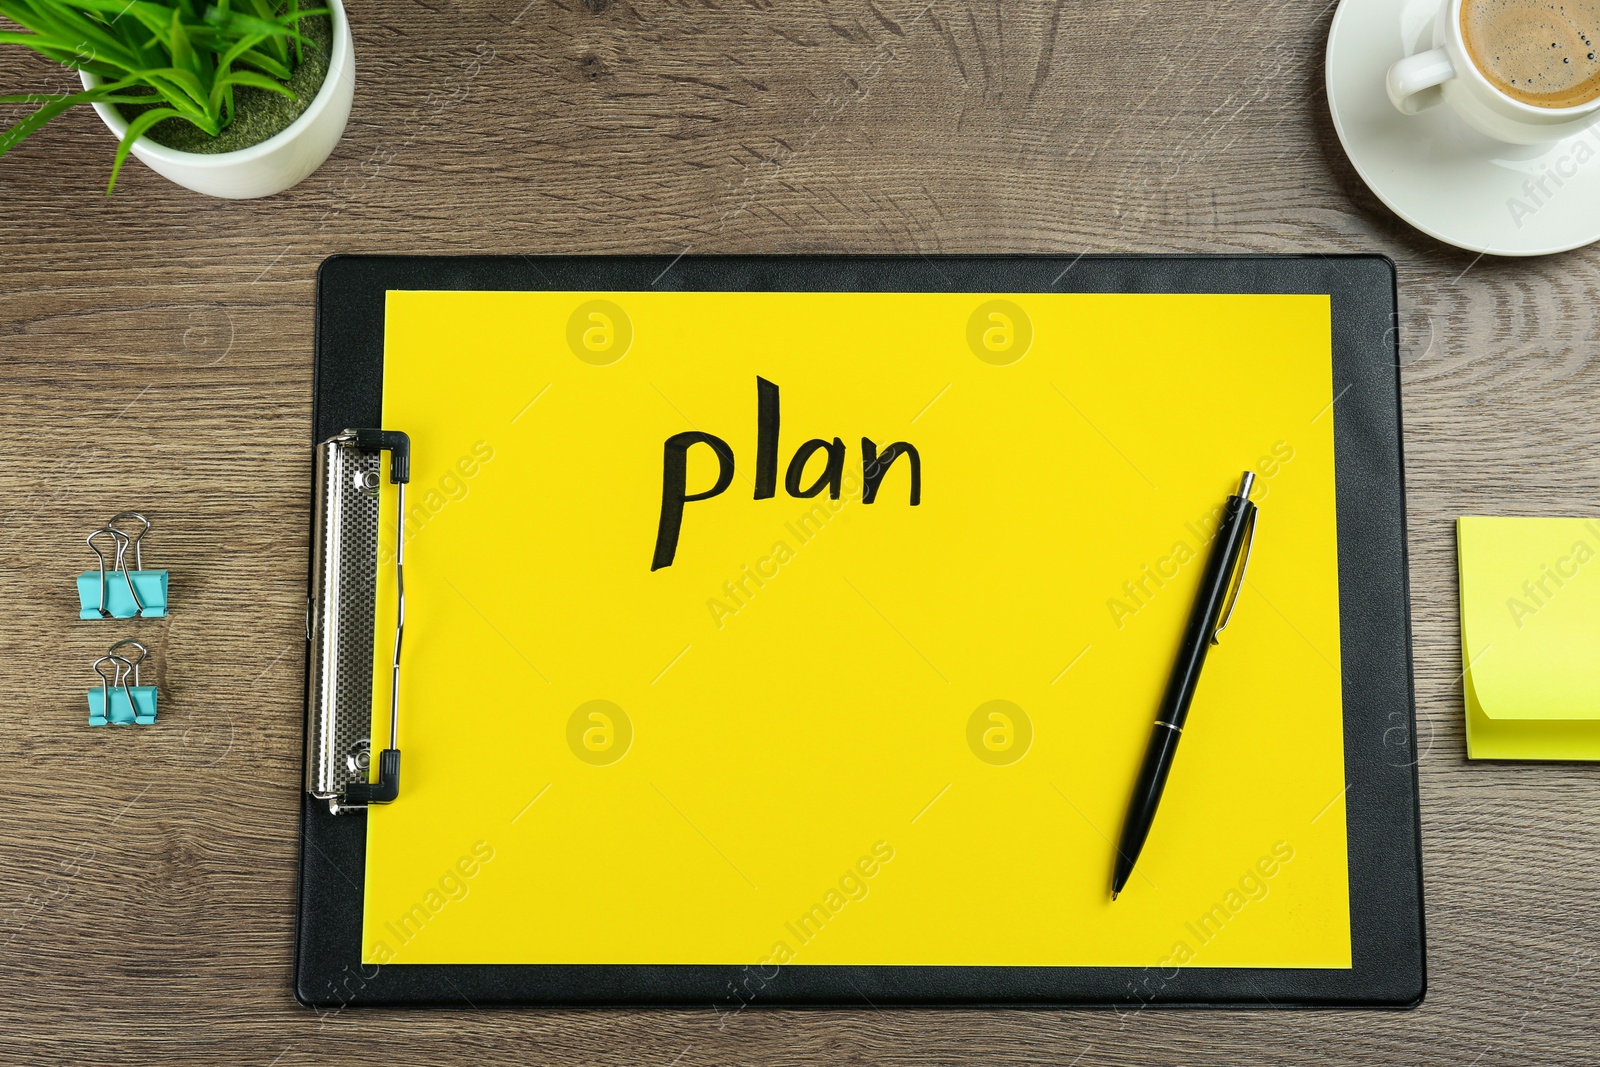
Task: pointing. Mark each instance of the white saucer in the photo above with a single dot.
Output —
(1435, 171)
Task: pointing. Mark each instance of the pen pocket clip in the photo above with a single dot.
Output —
(1238, 579)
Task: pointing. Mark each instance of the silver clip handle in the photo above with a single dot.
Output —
(130, 541)
(144, 654)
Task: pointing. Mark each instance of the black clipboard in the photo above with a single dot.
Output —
(1384, 837)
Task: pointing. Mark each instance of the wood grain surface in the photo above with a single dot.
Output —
(156, 351)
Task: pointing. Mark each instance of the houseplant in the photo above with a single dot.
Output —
(219, 96)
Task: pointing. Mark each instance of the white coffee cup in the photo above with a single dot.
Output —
(1446, 74)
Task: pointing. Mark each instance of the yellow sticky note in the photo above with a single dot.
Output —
(839, 732)
(1530, 625)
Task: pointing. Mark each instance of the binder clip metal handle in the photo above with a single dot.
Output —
(126, 542)
(117, 540)
(341, 615)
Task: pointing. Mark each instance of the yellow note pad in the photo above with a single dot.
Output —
(841, 732)
(1530, 624)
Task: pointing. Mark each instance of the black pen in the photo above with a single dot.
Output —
(1219, 590)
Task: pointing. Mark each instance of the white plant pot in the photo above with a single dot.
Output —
(282, 160)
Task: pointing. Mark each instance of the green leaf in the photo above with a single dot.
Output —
(273, 31)
(136, 130)
(260, 81)
(64, 28)
(235, 23)
(29, 98)
(154, 17)
(53, 106)
(55, 49)
(178, 41)
(185, 82)
(140, 99)
(265, 63)
(12, 137)
(237, 49)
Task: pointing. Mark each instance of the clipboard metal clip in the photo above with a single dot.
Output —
(341, 620)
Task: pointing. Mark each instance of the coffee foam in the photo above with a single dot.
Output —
(1541, 52)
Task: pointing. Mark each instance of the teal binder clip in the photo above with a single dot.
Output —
(121, 593)
(114, 702)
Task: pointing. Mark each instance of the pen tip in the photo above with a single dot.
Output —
(1113, 894)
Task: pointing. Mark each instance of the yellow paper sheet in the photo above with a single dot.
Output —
(835, 732)
(1530, 624)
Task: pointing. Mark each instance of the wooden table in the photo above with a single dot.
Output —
(156, 347)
